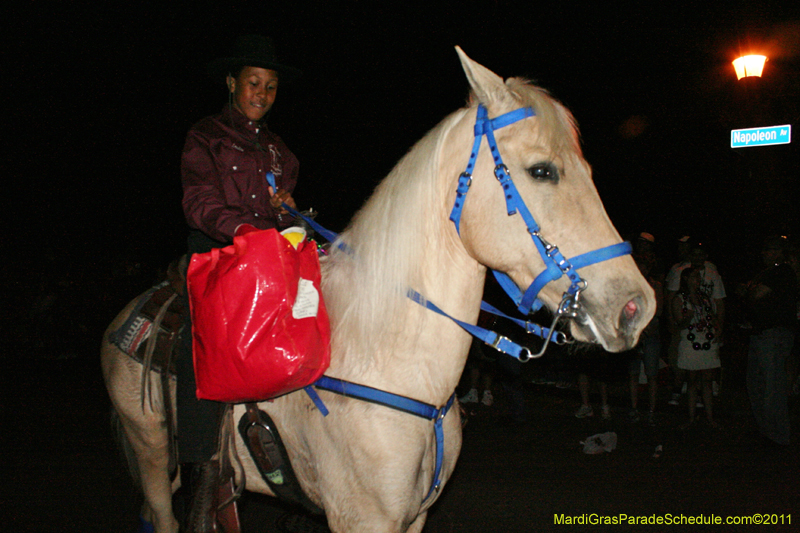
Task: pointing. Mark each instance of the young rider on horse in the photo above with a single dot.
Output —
(225, 193)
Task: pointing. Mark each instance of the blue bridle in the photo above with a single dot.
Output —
(556, 265)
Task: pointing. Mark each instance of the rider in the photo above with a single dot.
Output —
(225, 193)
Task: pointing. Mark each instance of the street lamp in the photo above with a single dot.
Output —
(751, 65)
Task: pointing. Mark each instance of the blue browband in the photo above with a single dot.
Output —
(556, 265)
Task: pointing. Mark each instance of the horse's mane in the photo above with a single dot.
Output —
(365, 282)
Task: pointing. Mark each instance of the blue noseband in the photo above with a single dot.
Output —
(556, 265)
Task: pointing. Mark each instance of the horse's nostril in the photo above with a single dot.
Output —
(630, 310)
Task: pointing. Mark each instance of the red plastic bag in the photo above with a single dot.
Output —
(259, 323)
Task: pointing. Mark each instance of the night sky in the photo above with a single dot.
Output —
(101, 97)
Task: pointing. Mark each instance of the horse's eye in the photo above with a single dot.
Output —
(543, 172)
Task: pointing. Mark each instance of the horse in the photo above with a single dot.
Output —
(369, 467)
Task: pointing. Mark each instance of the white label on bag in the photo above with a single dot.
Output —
(307, 302)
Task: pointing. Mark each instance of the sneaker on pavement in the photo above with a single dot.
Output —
(675, 400)
(470, 397)
(487, 399)
(584, 411)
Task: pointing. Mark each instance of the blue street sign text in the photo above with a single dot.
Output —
(761, 136)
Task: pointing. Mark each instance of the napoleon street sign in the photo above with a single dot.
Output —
(761, 136)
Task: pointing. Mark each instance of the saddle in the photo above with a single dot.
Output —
(161, 310)
(149, 336)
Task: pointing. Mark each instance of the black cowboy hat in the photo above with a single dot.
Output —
(252, 51)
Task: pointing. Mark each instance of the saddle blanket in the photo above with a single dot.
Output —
(134, 333)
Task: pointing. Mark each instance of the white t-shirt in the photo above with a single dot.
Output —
(711, 284)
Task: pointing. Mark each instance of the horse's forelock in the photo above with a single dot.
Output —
(555, 121)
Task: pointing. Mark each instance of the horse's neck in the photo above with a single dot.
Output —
(424, 357)
(411, 350)
(443, 346)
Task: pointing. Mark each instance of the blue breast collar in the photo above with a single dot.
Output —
(393, 401)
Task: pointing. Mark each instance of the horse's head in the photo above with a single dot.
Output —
(543, 157)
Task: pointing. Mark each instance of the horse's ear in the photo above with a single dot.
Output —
(487, 85)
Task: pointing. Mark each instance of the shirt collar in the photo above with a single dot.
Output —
(241, 122)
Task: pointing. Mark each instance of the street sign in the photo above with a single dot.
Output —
(761, 136)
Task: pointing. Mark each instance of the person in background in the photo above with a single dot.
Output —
(695, 315)
(603, 367)
(678, 377)
(479, 367)
(648, 353)
(586, 410)
(644, 251)
(224, 165)
(711, 286)
(793, 366)
(772, 304)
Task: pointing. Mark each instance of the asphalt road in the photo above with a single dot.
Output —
(64, 473)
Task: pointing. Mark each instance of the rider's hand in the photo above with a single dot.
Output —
(279, 198)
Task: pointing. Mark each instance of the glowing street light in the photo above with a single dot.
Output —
(751, 65)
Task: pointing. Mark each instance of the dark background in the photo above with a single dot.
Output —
(98, 99)
(101, 95)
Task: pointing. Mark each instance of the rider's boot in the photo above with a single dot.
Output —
(202, 517)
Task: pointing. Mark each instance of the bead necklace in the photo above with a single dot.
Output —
(698, 327)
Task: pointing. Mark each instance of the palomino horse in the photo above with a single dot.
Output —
(370, 467)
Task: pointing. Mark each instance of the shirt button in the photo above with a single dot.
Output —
(255, 214)
(254, 196)
(235, 167)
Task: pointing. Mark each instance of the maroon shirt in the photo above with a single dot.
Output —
(223, 169)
